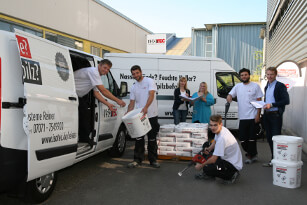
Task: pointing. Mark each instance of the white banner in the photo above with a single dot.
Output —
(156, 43)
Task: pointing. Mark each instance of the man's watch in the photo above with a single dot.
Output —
(271, 104)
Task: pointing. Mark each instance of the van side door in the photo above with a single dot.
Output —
(51, 110)
(109, 121)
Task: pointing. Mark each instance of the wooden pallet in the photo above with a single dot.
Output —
(177, 158)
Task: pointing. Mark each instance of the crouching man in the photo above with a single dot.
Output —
(226, 160)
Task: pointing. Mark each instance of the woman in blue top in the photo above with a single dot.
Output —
(201, 107)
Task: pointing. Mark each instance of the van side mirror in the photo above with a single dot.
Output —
(123, 89)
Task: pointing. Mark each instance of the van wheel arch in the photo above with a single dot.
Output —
(39, 190)
(119, 145)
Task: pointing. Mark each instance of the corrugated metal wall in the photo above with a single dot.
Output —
(289, 40)
(237, 45)
(198, 42)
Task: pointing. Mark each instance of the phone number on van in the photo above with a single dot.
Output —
(41, 127)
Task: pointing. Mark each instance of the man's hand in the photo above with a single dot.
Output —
(198, 166)
(229, 98)
(206, 151)
(121, 103)
(144, 110)
(111, 107)
(267, 106)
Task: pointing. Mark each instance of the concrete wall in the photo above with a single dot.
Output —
(87, 19)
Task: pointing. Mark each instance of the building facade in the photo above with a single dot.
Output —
(286, 40)
(235, 43)
(87, 25)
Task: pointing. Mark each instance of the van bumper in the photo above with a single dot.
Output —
(13, 168)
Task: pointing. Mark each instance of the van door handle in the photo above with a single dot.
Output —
(72, 98)
(21, 102)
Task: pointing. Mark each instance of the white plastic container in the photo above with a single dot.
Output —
(287, 174)
(137, 124)
(287, 148)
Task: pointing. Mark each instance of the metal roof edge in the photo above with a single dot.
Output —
(122, 15)
(209, 26)
(161, 56)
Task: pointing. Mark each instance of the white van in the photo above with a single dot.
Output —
(166, 71)
(39, 114)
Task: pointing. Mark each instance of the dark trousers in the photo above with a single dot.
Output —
(85, 127)
(221, 169)
(139, 148)
(272, 125)
(247, 137)
(179, 116)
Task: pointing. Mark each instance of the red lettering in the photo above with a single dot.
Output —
(24, 48)
(160, 40)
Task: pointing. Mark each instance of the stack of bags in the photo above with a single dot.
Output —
(185, 139)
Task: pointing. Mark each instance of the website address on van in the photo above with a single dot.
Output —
(171, 113)
(59, 138)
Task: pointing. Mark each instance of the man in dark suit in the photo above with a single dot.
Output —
(276, 98)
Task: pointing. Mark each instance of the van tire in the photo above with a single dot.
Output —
(39, 190)
(119, 145)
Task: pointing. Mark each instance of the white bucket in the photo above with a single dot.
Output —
(287, 148)
(287, 174)
(137, 124)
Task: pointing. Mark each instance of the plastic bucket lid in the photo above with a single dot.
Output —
(287, 139)
(286, 164)
(132, 114)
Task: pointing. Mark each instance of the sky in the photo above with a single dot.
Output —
(179, 16)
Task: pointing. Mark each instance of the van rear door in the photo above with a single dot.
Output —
(51, 111)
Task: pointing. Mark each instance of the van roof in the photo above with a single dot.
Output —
(141, 55)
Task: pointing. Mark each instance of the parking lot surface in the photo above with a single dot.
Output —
(105, 180)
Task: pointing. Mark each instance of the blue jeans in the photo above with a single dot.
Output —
(180, 116)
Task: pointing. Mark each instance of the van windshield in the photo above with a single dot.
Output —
(225, 81)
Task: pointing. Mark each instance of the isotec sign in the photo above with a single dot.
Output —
(156, 43)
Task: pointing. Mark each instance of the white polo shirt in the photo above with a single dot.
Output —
(140, 93)
(246, 94)
(86, 79)
(227, 148)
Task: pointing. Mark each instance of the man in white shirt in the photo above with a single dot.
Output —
(87, 79)
(247, 92)
(143, 95)
(226, 160)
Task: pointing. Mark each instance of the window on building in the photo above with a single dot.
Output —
(104, 52)
(10, 26)
(208, 46)
(65, 41)
(95, 51)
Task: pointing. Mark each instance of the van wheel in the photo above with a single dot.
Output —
(38, 190)
(119, 145)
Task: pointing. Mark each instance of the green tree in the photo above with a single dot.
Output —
(258, 55)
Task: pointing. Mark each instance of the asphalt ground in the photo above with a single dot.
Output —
(105, 180)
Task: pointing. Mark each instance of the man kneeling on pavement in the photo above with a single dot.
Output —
(226, 160)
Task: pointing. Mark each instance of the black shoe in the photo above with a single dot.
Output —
(133, 164)
(233, 179)
(203, 176)
(269, 164)
(155, 164)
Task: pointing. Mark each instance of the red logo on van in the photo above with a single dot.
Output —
(24, 47)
